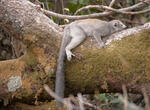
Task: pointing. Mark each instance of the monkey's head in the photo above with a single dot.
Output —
(116, 25)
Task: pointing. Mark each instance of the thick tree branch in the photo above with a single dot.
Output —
(92, 69)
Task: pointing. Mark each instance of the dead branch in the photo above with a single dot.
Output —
(123, 10)
(112, 3)
(125, 97)
(146, 99)
(67, 102)
(131, 106)
(51, 93)
(111, 9)
(81, 102)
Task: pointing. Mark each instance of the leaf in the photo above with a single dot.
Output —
(102, 97)
(42, 0)
(115, 100)
(72, 7)
(50, 4)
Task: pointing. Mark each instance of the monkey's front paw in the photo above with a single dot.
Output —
(69, 58)
(102, 45)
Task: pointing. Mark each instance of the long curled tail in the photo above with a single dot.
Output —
(60, 72)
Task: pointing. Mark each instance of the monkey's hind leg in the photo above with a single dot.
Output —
(75, 41)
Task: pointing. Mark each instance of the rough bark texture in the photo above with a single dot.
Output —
(35, 35)
(124, 61)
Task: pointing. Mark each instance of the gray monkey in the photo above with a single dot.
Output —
(74, 34)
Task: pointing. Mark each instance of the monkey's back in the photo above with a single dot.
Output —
(91, 25)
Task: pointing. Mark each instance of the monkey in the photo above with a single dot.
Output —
(74, 34)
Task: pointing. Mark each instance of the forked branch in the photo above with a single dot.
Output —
(105, 13)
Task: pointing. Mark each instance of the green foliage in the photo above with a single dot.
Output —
(108, 98)
(102, 97)
(73, 7)
(50, 4)
(109, 101)
(83, 2)
(76, 4)
(43, 1)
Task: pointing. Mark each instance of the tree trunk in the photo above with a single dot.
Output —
(35, 40)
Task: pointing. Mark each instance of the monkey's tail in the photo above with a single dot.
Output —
(60, 72)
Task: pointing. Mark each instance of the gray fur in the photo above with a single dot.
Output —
(74, 34)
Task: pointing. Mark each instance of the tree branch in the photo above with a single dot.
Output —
(111, 9)
(112, 3)
(138, 5)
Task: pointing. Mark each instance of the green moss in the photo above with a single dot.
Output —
(124, 60)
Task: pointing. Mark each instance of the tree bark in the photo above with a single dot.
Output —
(123, 61)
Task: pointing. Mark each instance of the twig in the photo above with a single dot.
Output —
(75, 101)
(146, 99)
(69, 104)
(51, 93)
(112, 3)
(80, 102)
(92, 106)
(125, 97)
(66, 103)
(46, 2)
(111, 9)
(62, 6)
(126, 12)
(132, 106)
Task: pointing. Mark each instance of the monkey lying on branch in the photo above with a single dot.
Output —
(74, 34)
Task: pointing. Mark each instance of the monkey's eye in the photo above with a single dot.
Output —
(115, 24)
